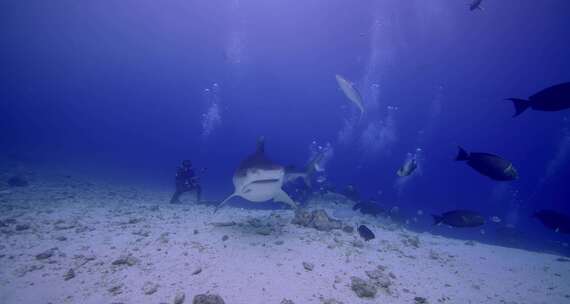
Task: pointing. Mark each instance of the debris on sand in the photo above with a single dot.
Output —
(208, 299)
(63, 225)
(411, 241)
(420, 300)
(25, 269)
(149, 288)
(308, 266)
(332, 301)
(197, 271)
(317, 219)
(46, 254)
(363, 288)
(223, 224)
(70, 274)
(380, 279)
(128, 260)
(116, 290)
(348, 229)
(179, 298)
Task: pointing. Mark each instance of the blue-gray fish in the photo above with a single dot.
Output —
(459, 218)
(490, 165)
(552, 99)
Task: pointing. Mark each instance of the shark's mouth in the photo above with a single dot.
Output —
(266, 181)
(247, 188)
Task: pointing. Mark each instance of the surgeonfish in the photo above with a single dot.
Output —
(459, 218)
(552, 99)
(490, 165)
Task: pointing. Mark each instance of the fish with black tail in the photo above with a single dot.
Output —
(490, 165)
(365, 233)
(552, 99)
(459, 218)
(369, 207)
(554, 220)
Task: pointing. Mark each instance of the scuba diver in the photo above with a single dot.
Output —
(186, 180)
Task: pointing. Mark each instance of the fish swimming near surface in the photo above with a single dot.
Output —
(554, 220)
(365, 233)
(490, 165)
(408, 168)
(552, 99)
(258, 179)
(351, 93)
(476, 4)
(459, 218)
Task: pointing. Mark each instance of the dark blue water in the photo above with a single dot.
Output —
(127, 89)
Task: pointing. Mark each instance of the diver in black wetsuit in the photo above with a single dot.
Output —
(186, 180)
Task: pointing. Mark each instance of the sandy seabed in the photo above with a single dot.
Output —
(68, 241)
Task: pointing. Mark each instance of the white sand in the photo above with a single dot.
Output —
(101, 223)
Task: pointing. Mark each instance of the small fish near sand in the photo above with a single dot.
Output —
(369, 207)
(351, 93)
(459, 219)
(408, 168)
(365, 233)
(554, 220)
(490, 165)
(475, 5)
(552, 99)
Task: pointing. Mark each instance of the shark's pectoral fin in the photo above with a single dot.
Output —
(224, 202)
(281, 196)
(291, 177)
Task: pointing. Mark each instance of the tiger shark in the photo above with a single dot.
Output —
(258, 179)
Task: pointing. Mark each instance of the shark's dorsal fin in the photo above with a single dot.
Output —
(260, 145)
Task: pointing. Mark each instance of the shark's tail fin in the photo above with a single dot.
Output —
(223, 202)
(437, 219)
(520, 105)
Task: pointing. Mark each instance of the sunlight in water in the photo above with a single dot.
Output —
(379, 136)
(346, 132)
(212, 118)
